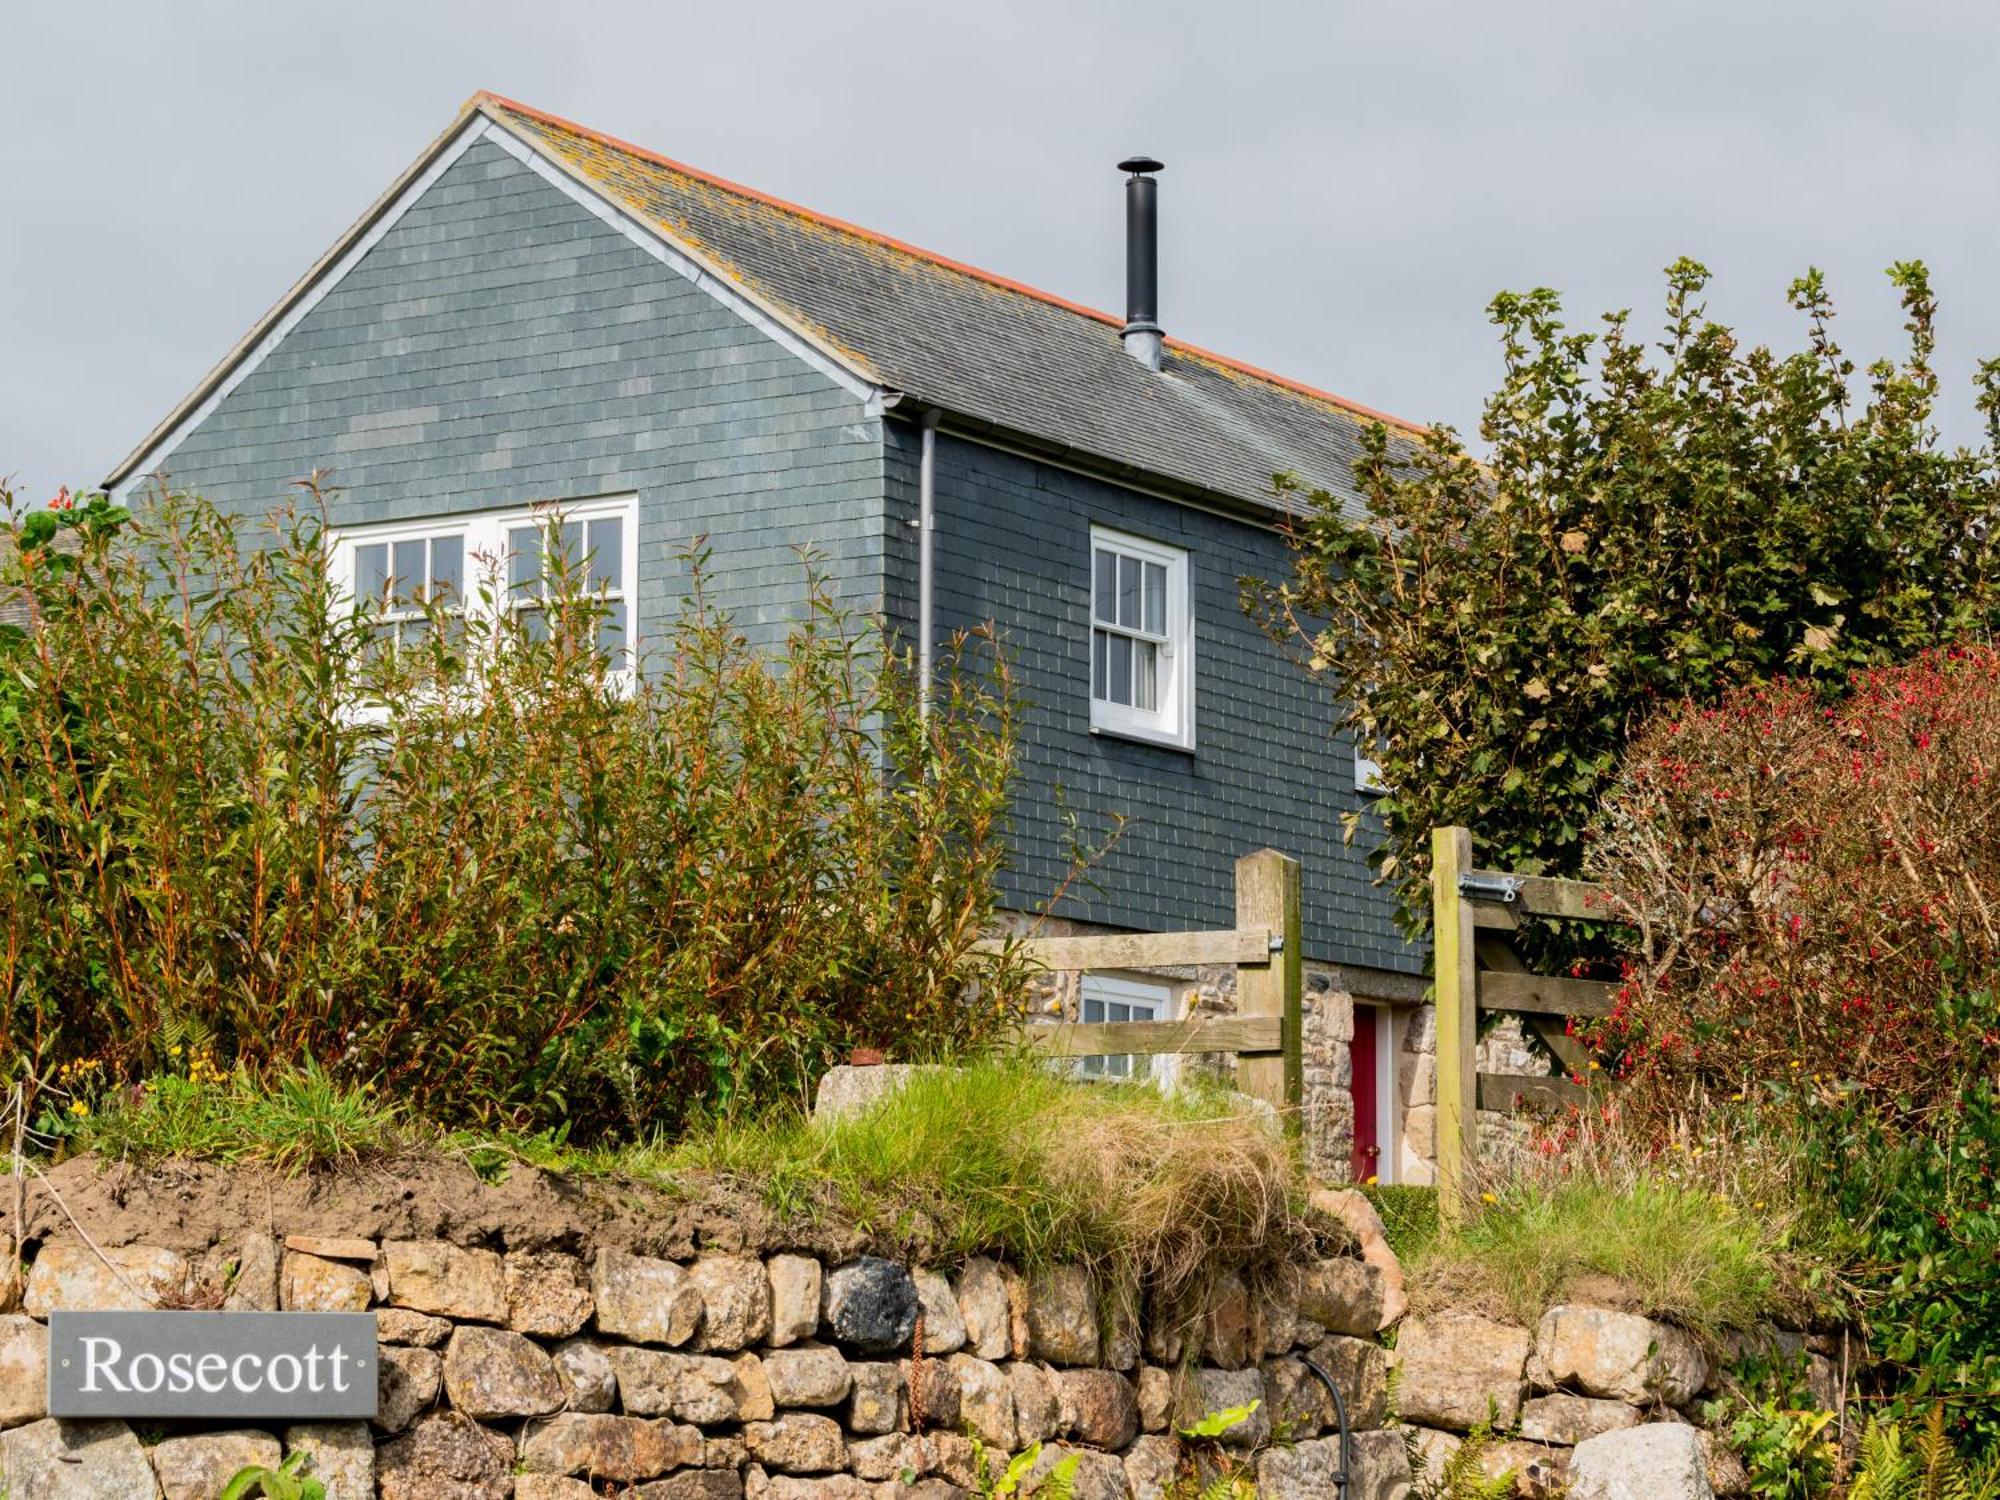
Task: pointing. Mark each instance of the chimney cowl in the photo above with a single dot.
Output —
(1142, 334)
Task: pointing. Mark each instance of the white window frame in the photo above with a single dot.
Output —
(1130, 991)
(1171, 721)
(1367, 775)
(483, 535)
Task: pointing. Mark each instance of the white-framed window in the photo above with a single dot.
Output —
(1368, 775)
(1117, 997)
(483, 560)
(1141, 640)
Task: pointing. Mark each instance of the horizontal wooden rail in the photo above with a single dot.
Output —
(1540, 994)
(1243, 1035)
(1144, 950)
(1539, 896)
(1500, 1092)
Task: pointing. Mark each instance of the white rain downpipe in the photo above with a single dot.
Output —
(926, 561)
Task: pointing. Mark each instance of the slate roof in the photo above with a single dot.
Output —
(996, 356)
(980, 347)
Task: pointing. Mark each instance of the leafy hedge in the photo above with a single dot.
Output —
(484, 871)
(1816, 890)
(1648, 524)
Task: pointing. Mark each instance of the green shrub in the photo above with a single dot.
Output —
(1409, 1216)
(1912, 1223)
(482, 871)
(1647, 522)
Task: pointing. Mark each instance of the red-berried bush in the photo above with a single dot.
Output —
(1816, 891)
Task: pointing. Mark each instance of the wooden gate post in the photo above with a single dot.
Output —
(1453, 958)
(1267, 895)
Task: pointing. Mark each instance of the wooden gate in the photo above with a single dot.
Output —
(1265, 1035)
(1473, 913)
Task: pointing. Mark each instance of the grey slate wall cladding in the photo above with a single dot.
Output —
(500, 345)
(1012, 542)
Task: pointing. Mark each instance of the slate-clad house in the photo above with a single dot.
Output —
(535, 312)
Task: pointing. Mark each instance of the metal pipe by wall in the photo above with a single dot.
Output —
(926, 562)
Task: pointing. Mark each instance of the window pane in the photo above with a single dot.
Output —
(1120, 671)
(409, 564)
(1099, 651)
(371, 571)
(607, 553)
(448, 569)
(524, 559)
(535, 624)
(1093, 1010)
(1105, 606)
(1128, 591)
(611, 633)
(572, 543)
(1145, 675)
(1156, 598)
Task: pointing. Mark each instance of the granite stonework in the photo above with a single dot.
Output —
(532, 1371)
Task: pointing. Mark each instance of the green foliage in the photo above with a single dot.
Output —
(1784, 1448)
(288, 1481)
(292, 1118)
(1216, 1423)
(1643, 529)
(1911, 1219)
(1462, 1475)
(1409, 1216)
(1898, 1466)
(485, 870)
(1058, 1484)
(1010, 1156)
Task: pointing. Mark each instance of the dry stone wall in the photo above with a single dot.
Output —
(516, 1366)
(540, 1373)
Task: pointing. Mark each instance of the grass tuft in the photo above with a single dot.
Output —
(293, 1120)
(1696, 1237)
(1011, 1157)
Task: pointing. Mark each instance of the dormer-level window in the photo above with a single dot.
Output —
(1141, 640)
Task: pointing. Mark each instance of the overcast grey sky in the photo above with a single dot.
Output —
(1347, 184)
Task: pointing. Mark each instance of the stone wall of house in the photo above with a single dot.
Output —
(1504, 1049)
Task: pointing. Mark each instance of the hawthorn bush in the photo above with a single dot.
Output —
(1815, 890)
(484, 871)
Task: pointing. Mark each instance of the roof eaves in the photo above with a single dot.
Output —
(1272, 512)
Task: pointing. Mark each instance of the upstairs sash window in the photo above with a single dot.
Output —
(1141, 640)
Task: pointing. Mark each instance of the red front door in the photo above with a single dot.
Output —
(1367, 1103)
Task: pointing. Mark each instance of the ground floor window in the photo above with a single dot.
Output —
(1112, 997)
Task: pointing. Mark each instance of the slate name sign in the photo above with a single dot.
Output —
(211, 1364)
